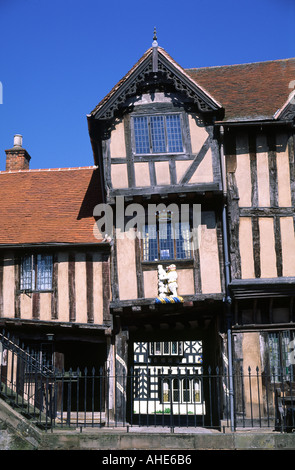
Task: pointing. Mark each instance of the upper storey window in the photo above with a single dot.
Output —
(158, 134)
(166, 240)
(36, 272)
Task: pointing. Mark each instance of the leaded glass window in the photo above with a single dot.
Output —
(165, 391)
(166, 348)
(141, 135)
(36, 272)
(281, 361)
(197, 391)
(175, 388)
(27, 273)
(158, 134)
(166, 240)
(184, 390)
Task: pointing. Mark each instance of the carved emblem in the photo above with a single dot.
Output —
(167, 285)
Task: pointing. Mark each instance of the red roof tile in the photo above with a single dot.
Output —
(48, 206)
(248, 91)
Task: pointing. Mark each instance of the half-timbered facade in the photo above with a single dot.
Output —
(257, 144)
(221, 138)
(54, 274)
(154, 138)
(176, 251)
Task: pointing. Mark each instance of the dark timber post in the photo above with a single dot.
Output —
(228, 300)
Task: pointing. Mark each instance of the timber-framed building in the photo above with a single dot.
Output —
(214, 142)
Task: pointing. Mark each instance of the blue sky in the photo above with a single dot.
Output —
(58, 59)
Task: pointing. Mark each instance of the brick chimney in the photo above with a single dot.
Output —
(17, 158)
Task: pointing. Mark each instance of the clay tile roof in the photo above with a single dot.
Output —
(251, 91)
(48, 206)
(248, 91)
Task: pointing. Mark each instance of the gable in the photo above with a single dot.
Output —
(154, 67)
(158, 90)
(287, 111)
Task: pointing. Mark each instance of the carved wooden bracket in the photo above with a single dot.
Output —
(145, 74)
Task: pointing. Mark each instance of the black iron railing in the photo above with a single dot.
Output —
(145, 396)
(26, 384)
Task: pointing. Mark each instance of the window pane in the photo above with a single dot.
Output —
(27, 273)
(150, 243)
(174, 138)
(279, 356)
(197, 391)
(166, 241)
(44, 272)
(166, 349)
(141, 133)
(157, 347)
(186, 390)
(175, 389)
(165, 391)
(176, 347)
(158, 134)
(286, 337)
(182, 235)
(274, 356)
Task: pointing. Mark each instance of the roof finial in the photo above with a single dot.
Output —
(155, 42)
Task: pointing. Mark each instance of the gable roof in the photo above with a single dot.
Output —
(251, 91)
(165, 64)
(48, 206)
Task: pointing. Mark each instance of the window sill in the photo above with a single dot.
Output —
(157, 154)
(178, 262)
(170, 356)
(34, 291)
